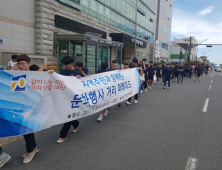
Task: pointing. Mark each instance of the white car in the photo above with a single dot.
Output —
(218, 69)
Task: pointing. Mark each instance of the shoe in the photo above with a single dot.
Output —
(141, 91)
(5, 160)
(60, 140)
(150, 88)
(128, 103)
(36, 150)
(136, 101)
(146, 90)
(76, 129)
(29, 156)
(108, 108)
(100, 119)
(164, 87)
(106, 112)
(168, 87)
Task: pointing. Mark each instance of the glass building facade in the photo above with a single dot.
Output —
(121, 14)
(118, 13)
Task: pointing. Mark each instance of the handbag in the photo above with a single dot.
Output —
(142, 78)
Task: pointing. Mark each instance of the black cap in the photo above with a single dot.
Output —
(144, 59)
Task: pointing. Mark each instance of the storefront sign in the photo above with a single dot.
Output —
(121, 37)
(104, 41)
(138, 42)
(71, 25)
(32, 101)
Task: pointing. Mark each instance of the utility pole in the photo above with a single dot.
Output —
(189, 51)
(136, 26)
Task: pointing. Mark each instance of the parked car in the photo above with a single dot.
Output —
(218, 69)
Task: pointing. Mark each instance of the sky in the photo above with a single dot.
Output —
(201, 19)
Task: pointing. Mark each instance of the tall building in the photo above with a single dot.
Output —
(91, 31)
(163, 28)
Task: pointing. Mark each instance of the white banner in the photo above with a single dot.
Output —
(33, 101)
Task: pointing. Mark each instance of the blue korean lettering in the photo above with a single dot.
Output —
(101, 94)
(121, 76)
(109, 91)
(120, 87)
(108, 79)
(125, 85)
(96, 81)
(129, 85)
(113, 76)
(85, 84)
(76, 100)
(113, 89)
(102, 79)
(85, 99)
(93, 97)
(91, 82)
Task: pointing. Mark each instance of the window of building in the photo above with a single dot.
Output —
(164, 45)
(164, 29)
(166, 14)
(121, 14)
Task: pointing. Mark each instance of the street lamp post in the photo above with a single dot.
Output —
(205, 52)
(136, 26)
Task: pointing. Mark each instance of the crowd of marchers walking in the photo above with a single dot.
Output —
(163, 73)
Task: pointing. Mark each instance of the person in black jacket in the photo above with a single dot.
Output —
(168, 73)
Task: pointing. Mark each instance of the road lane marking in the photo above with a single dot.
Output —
(191, 164)
(205, 105)
(211, 81)
(10, 141)
(209, 87)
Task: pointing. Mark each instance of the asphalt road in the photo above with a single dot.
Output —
(162, 132)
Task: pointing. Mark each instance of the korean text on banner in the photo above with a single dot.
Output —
(33, 101)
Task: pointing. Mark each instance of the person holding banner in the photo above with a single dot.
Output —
(104, 68)
(83, 70)
(69, 71)
(4, 158)
(23, 62)
(114, 67)
(134, 65)
(126, 65)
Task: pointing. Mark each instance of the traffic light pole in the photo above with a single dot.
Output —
(194, 45)
(189, 51)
